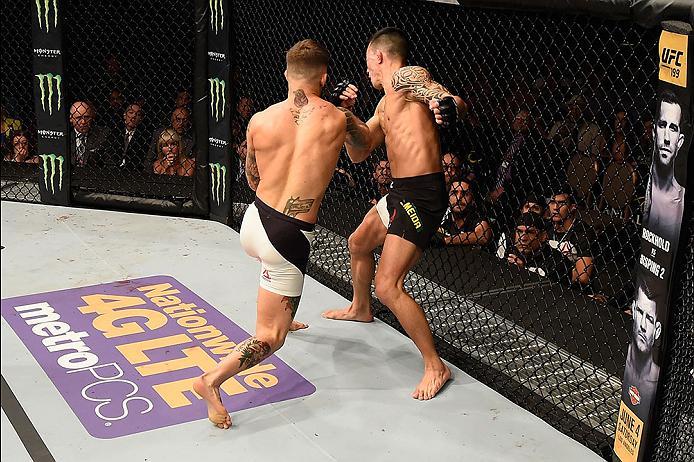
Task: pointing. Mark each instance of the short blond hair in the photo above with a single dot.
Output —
(307, 59)
(165, 138)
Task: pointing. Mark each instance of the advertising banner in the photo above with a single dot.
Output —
(661, 224)
(124, 355)
(219, 118)
(49, 98)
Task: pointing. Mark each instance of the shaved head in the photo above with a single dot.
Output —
(391, 41)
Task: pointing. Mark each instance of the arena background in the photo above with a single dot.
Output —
(553, 347)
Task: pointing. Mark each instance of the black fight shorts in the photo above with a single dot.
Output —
(416, 206)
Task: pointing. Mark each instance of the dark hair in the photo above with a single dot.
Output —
(531, 220)
(567, 191)
(137, 102)
(307, 59)
(668, 96)
(392, 41)
(535, 199)
(647, 287)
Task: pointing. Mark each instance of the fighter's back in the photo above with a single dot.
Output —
(296, 145)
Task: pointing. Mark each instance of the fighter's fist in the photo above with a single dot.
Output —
(344, 95)
(445, 110)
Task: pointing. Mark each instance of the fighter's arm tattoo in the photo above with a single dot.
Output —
(357, 131)
(252, 352)
(291, 304)
(418, 84)
(297, 205)
(252, 173)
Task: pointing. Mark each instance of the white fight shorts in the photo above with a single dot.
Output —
(382, 209)
(281, 243)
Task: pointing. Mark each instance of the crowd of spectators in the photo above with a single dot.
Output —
(112, 129)
(534, 178)
(543, 185)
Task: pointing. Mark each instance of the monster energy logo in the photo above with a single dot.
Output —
(217, 95)
(49, 161)
(217, 15)
(45, 24)
(218, 172)
(47, 80)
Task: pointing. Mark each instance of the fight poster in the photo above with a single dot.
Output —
(662, 219)
(218, 97)
(49, 99)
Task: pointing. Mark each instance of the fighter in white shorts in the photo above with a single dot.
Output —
(292, 152)
(281, 243)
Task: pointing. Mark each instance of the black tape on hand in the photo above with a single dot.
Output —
(337, 91)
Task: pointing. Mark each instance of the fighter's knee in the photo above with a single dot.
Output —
(357, 243)
(274, 338)
(386, 290)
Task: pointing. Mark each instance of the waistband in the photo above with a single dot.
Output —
(302, 225)
(435, 178)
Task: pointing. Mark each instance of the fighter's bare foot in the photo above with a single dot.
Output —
(349, 314)
(216, 411)
(432, 382)
(296, 325)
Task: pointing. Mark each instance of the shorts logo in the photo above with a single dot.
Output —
(634, 395)
(49, 170)
(266, 275)
(217, 96)
(46, 24)
(46, 84)
(217, 15)
(218, 175)
(412, 213)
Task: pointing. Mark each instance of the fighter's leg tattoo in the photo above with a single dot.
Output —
(252, 352)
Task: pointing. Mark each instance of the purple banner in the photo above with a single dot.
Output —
(124, 355)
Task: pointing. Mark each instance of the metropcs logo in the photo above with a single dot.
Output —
(124, 355)
(217, 15)
(46, 84)
(217, 96)
(49, 170)
(43, 12)
(218, 174)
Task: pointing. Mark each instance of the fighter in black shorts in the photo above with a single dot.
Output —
(416, 206)
(405, 221)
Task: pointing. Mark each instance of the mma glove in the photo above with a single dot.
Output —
(448, 110)
(334, 96)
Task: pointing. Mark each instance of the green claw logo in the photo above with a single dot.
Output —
(48, 80)
(217, 96)
(49, 161)
(218, 173)
(46, 24)
(217, 15)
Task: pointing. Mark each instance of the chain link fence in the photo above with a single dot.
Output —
(20, 170)
(674, 438)
(129, 72)
(528, 284)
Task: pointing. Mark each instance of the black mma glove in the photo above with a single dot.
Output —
(448, 111)
(334, 96)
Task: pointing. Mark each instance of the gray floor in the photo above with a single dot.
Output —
(363, 373)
